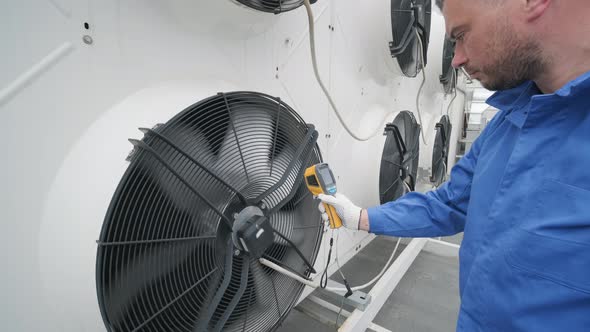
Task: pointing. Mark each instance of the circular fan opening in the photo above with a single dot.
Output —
(408, 18)
(167, 259)
(274, 6)
(440, 151)
(399, 162)
(449, 74)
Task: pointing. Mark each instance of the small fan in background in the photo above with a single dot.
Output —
(449, 74)
(410, 18)
(440, 151)
(273, 6)
(399, 162)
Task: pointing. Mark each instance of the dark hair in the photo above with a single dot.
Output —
(440, 3)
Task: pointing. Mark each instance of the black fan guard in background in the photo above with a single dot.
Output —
(273, 6)
(166, 260)
(407, 18)
(440, 151)
(399, 162)
(449, 74)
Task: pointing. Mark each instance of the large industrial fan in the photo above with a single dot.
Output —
(449, 74)
(205, 195)
(440, 151)
(274, 6)
(399, 162)
(410, 19)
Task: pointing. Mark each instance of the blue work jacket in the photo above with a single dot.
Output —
(522, 197)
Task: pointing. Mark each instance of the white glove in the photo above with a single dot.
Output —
(348, 212)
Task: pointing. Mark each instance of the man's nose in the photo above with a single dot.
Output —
(459, 59)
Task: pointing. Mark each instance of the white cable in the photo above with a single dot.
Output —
(407, 187)
(421, 85)
(377, 277)
(467, 76)
(378, 130)
(454, 84)
(451, 103)
(342, 275)
(312, 284)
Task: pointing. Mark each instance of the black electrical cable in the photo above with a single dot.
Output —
(324, 279)
(348, 289)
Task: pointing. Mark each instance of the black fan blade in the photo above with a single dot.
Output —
(440, 151)
(390, 186)
(447, 78)
(393, 191)
(411, 136)
(438, 166)
(285, 221)
(414, 155)
(220, 289)
(267, 300)
(200, 165)
(153, 263)
(157, 172)
(298, 159)
(192, 158)
(182, 179)
(245, 268)
(246, 145)
(399, 162)
(273, 293)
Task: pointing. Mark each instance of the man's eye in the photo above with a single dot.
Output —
(460, 37)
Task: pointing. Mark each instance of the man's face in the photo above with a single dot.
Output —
(488, 43)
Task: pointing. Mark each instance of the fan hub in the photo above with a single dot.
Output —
(251, 231)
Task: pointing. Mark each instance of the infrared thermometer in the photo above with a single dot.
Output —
(320, 180)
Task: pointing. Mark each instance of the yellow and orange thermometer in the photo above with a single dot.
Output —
(320, 180)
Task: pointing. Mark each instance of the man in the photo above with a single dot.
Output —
(522, 193)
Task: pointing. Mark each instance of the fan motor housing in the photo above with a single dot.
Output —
(255, 235)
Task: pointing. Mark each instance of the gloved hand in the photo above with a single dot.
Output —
(348, 212)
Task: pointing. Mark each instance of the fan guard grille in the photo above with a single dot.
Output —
(407, 18)
(166, 261)
(449, 74)
(399, 162)
(440, 151)
(273, 6)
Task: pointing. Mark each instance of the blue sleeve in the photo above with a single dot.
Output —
(439, 212)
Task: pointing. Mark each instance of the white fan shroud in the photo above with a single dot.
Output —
(85, 184)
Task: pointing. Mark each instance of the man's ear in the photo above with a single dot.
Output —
(535, 8)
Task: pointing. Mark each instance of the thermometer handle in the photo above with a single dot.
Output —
(335, 221)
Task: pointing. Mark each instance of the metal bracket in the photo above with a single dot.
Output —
(359, 300)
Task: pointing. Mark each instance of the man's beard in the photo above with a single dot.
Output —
(518, 60)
